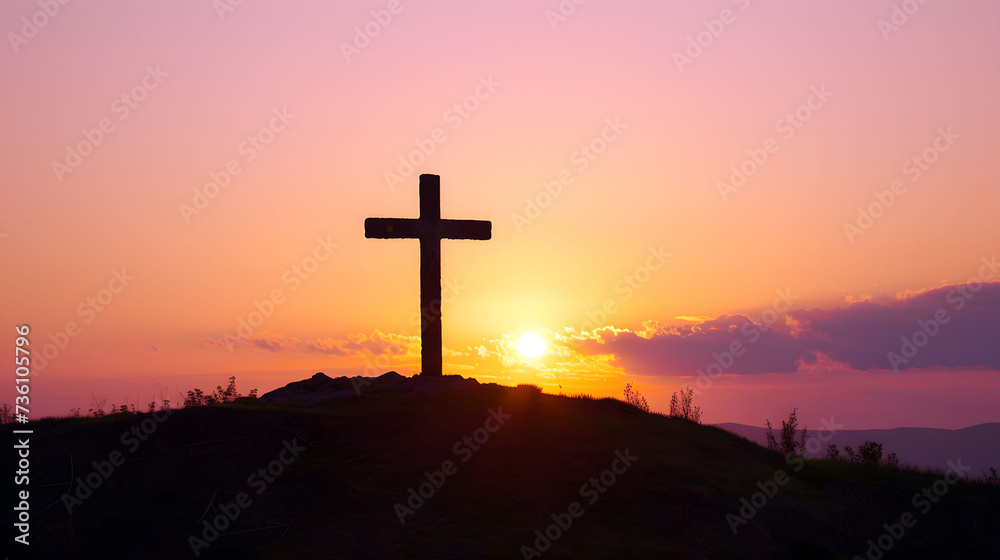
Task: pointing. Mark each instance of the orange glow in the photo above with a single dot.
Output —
(236, 189)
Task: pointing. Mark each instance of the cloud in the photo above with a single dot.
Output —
(692, 318)
(683, 349)
(949, 326)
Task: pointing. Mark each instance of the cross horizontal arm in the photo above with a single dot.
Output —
(466, 229)
(393, 228)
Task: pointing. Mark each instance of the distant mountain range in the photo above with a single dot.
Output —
(977, 446)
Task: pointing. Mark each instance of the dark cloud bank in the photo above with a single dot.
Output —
(951, 326)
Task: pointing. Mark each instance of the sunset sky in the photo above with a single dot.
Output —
(813, 182)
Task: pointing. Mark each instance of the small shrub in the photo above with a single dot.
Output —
(990, 478)
(99, 411)
(165, 402)
(771, 442)
(852, 457)
(681, 405)
(870, 453)
(197, 397)
(786, 438)
(633, 398)
(892, 461)
(527, 386)
(832, 453)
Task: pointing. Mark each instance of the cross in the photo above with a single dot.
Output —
(430, 229)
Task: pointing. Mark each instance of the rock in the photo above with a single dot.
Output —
(320, 387)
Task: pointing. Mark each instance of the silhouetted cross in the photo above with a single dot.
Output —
(430, 229)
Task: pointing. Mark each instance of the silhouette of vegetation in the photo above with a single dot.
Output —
(892, 461)
(991, 478)
(197, 397)
(681, 405)
(635, 399)
(99, 411)
(870, 453)
(786, 438)
(832, 453)
(530, 387)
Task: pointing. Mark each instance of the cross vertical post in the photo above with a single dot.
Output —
(430, 229)
(431, 360)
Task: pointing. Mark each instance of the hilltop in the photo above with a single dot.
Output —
(498, 468)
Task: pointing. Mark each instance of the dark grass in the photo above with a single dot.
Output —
(336, 500)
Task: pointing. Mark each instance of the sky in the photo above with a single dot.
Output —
(780, 204)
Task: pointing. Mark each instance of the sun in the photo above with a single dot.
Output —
(530, 345)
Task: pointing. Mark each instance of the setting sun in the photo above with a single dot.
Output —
(432, 279)
(530, 345)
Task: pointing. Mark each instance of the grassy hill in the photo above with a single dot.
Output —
(339, 468)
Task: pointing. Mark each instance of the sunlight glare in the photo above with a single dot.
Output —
(530, 345)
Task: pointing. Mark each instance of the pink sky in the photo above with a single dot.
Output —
(309, 133)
